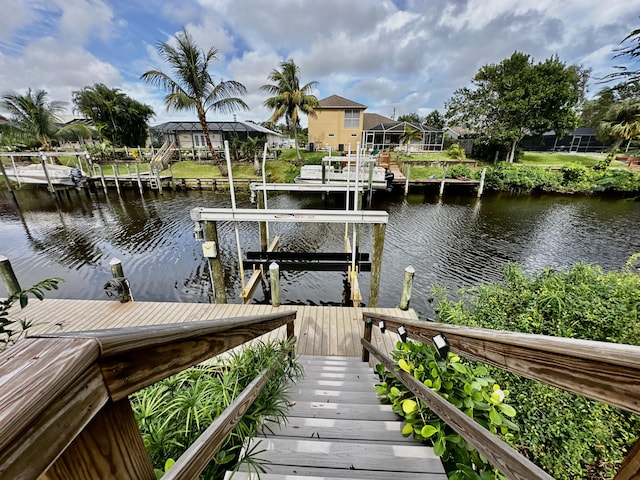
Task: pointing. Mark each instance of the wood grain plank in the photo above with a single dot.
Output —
(54, 428)
(33, 374)
(606, 372)
(110, 447)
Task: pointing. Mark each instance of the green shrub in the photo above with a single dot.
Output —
(467, 387)
(567, 435)
(577, 177)
(172, 413)
(459, 171)
(12, 329)
(456, 152)
(508, 177)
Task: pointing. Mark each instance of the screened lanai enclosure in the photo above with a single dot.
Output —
(391, 135)
(189, 135)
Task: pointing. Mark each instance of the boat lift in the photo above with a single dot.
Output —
(351, 260)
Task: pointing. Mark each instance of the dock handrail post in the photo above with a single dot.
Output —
(379, 230)
(117, 272)
(9, 277)
(368, 324)
(215, 263)
(6, 179)
(115, 176)
(406, 179)
(43, 162)
(140, 187)
(481, 187)
(274, 280)
(407, 285)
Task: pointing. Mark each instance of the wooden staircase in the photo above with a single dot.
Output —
(338, 429)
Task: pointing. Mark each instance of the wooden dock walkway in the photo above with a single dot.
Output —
(332, 331)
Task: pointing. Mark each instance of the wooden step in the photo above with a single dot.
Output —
(349, 457)
(347, 377)
(302, 408)
(330, 474)
(360, 385)
(339, 429)
(328, 395)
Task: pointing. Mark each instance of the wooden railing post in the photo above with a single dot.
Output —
(368, 325)
(274, 279)
(110, 446)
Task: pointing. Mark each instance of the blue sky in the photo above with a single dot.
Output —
(402, 55)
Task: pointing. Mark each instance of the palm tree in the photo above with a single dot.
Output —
(192, 87)
(622, 123)
(34, 120)
(289, 98)
(410, 133)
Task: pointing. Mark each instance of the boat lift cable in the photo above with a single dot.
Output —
(264, 185)
(233, 205)
(355, 208)
(346, 225)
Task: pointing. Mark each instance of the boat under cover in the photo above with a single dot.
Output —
(58, 174)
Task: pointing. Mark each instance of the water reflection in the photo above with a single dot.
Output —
(459, 241)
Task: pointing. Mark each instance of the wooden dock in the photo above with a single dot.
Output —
(327, 331)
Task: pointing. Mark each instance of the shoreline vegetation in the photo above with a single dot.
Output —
(561, 173)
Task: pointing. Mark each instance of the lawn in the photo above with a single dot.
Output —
(559, 159)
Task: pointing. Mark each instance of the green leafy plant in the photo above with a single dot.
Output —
(172, 413)
(12, 329)
(569, 436)
(459, 171)
(456, 152)
(468, 387)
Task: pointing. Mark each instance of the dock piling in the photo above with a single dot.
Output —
(274, 279)
(482, 176)
(407, 286)
(9, 277)
(120, 283)
(215, 263)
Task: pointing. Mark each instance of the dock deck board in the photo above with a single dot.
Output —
(324, 330)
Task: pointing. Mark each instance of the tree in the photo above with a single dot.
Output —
(435, 120)
(516, 97)
(289, 98)
(410, 133)
(119, 119)
(34, 121)
(193, 88)
(632, 51)
(411, 118)
(622, 123)
(596, 110)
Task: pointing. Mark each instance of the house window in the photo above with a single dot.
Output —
(199, 141)
(352, 119)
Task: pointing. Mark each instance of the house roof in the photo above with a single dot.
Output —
(335, 101)
(221, 126)
(372, 119)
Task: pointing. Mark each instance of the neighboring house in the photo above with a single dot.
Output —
(189, 135)
(582, 139)
(337, 124)
(341, 123)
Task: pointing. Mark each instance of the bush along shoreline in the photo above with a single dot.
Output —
(567, 435)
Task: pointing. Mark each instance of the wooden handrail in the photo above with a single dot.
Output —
(506, 459)
(58, 391)
(607, 372)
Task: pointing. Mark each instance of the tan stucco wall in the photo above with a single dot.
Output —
(331, 121)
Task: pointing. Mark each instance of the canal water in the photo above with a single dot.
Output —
(458, 242)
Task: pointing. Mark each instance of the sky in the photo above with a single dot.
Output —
(394, 56)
